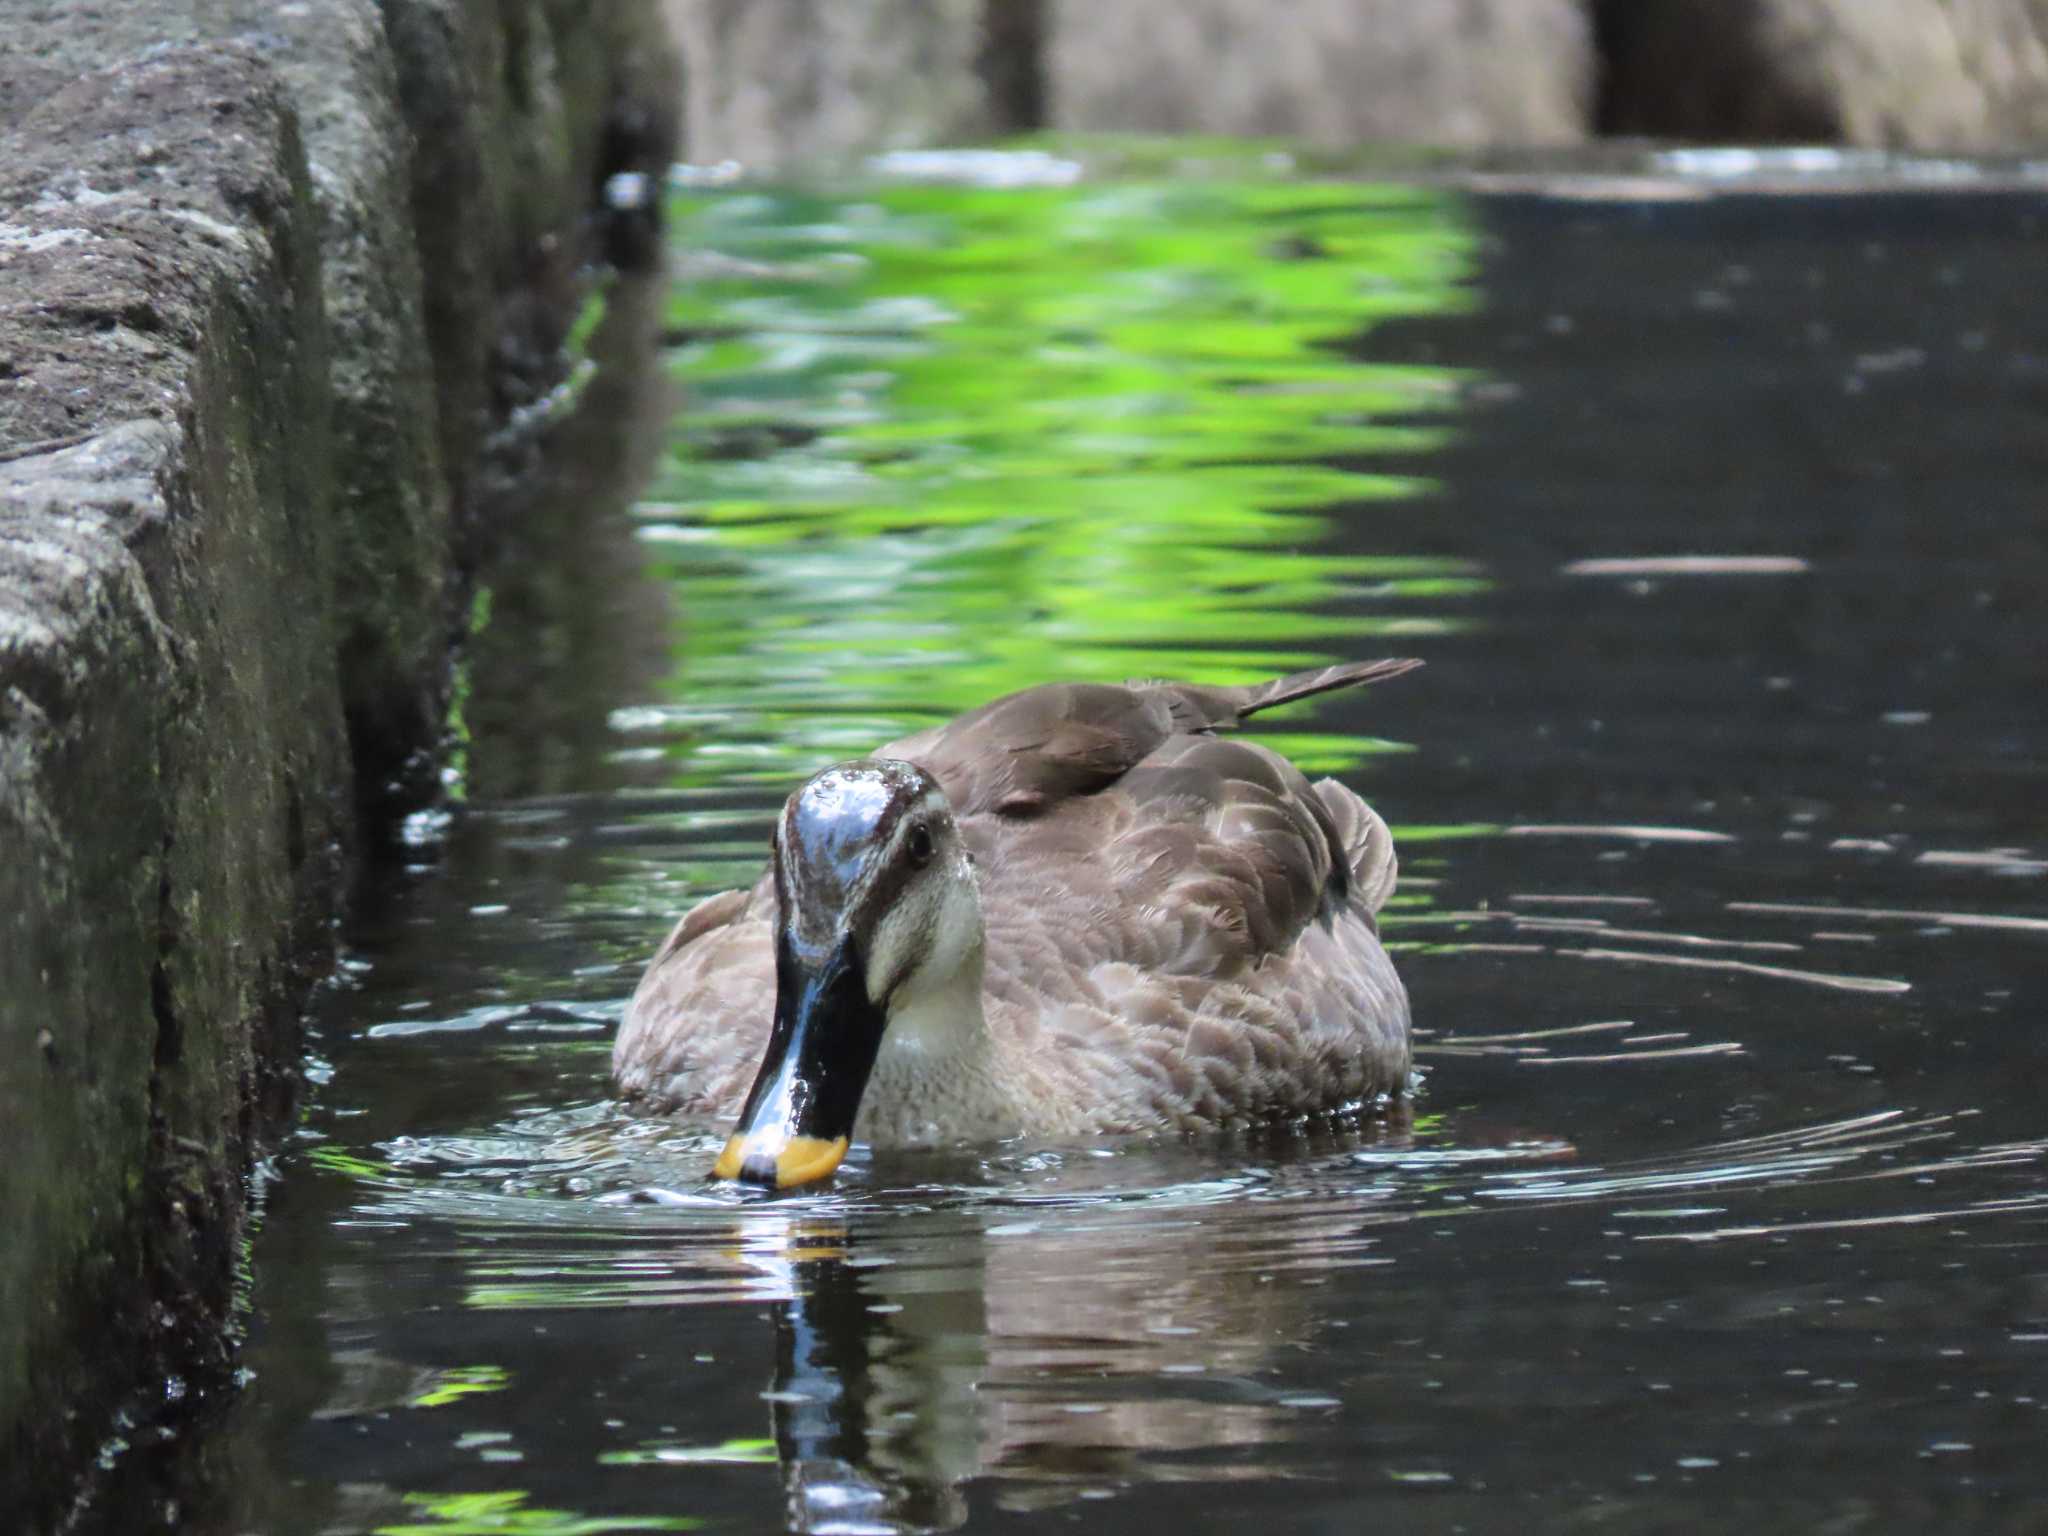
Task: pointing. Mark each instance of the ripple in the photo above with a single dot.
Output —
(1632, 834)
(1691, 565)
(1998, 921)
(1840, 982)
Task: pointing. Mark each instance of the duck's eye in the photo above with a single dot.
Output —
(918, 843)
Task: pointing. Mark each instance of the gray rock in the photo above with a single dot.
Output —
(516, 107)
(1332, 72)
(392, 518)
(775, 81)
(1920, 74)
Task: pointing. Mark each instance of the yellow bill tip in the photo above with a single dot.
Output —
(809, 1158)
(728, 1164)
(799, 1160)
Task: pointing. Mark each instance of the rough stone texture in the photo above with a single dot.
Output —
(517, 106)
(780, 81)
(775, 81)
(229, 479)
(1331, 72)
(451, 145)
(171, 747)
(392, 514)
(1923, 74)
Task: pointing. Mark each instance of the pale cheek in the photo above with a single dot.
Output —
(898, 942)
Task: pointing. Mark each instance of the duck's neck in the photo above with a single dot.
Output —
(935, 1078)
(941, 1023)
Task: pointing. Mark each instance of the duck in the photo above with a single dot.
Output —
(1080, 910)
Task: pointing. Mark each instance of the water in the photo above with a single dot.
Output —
(1723, 1200)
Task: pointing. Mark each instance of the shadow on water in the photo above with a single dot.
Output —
(1722, 905)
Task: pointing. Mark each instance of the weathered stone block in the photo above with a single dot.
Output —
(515, 107)
(774, 81)
(229, 393)
(1332, 72)
(1922, 74)
(392, 515)
(172, 762)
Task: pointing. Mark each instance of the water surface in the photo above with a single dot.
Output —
(1722, 1199)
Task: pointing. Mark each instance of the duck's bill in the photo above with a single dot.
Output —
(798, 1120)
(795, 1160)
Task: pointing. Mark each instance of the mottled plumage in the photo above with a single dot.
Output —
(1179, 933)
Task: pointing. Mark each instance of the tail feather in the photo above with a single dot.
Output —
(1301, 685)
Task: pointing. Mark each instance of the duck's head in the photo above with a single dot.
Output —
(876, 907)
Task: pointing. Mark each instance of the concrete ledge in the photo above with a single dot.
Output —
(174, 763)
(230, 474)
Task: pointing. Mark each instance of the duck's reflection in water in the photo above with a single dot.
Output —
(1060, 1358)
(875, 1417)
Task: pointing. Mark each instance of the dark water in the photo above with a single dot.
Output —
(1723, 1202)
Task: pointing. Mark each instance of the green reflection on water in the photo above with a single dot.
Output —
(1417, 832)
(452, 1386)
(336, 1160)
(752, 1453)
(478, 1514)
(945, 442)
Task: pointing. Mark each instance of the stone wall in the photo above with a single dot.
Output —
(1331, 72)
(1898, 74)
(780, 81)
(268, 274)
(773, 81)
